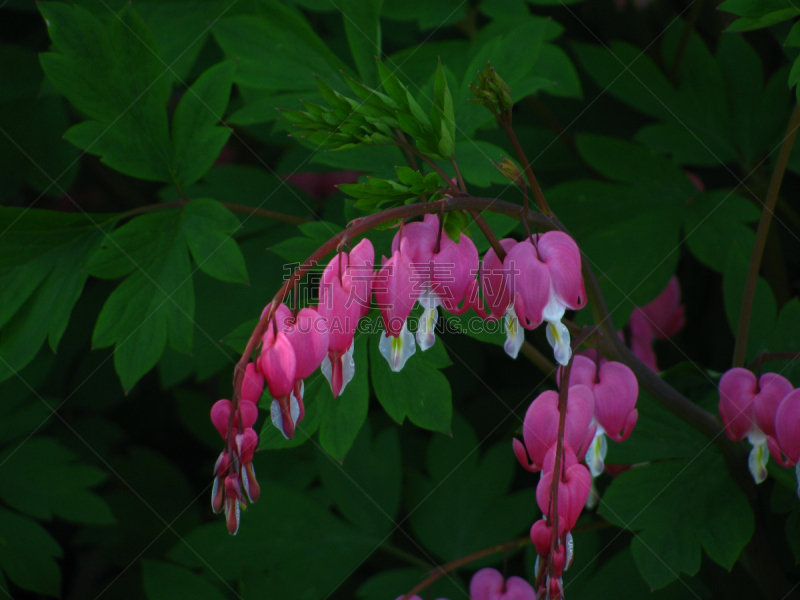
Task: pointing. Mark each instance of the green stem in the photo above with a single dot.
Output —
(526, 167)
(683, 44)
(740, 348)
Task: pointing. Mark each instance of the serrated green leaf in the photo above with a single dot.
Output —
(43, 480)
(196, 138)
(27, 554)
(42, 256)
(113, 74)
(679, 506)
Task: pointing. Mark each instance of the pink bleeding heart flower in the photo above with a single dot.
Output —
(221, 411)
(454, 269)
(396, 295)
(615, 391)
(246, 444)
(233, 502)
(497, 283)
(787, 433)
(774, 388)
(573, 491)
(540, 426)
(308, 334)
(344, 297)
(278, 362)
(661, 319)
(787, 428)
(561, 255)
(541, 536)
(740, 392)
(489, 584)
(253, 384)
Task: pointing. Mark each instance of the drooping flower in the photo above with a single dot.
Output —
(489, 584)
(307, 334)
(661, 319)
(539, 279)
(540, 426)
(344, 297)
(740, 392)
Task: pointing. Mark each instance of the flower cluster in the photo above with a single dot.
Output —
(234, 476)
(600, 400)
(766, 411)
(538, 280)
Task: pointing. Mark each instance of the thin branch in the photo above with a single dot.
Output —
(686, 36)
(526, 167)
(742, 331)
(238, 208)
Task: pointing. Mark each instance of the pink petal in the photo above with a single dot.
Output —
(774, 388)
(253, 384)
(563, 259)
(495, 281)
(530, 283)
(279, 365)
(615, 399)
(737, 388)
(787, 426)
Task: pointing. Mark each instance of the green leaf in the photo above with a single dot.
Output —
(113, 74)
(465, 504)
(27, 554)
(208, 226)
(42, 256)
(163, 581)
(341, 418)
(420, 392)
(284, 534)
(658, 434)
(196, 137)
(156, 302)
(475, 161)
(754, 8)
(715, 226)
(366, 486)
(678, 507)
(363, 27)
(267, 48)
(43, 480)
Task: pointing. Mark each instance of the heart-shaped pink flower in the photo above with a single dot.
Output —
(489, 584)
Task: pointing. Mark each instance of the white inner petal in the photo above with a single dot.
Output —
(397, 350)
(327, 369)
(426, 328)
(515, 335)
(558, 337)
(348, 366)
(554, 309)
(757, 461)
(595, 457)
(277, 417)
